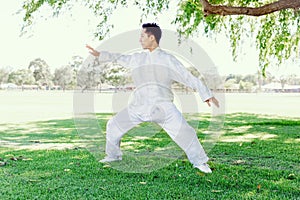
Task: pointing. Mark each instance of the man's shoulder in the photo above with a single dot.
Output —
(137, 53)
(165, 52)
(168, 54)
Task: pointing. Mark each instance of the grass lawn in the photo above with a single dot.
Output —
(257, 157)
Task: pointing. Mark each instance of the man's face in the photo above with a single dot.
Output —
(146, 40)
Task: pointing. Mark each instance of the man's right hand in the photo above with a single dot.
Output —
(93, 51)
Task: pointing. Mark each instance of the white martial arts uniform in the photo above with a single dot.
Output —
(153, 73)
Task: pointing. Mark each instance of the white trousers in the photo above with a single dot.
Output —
(164, 114)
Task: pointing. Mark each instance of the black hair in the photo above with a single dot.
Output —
(153, 29)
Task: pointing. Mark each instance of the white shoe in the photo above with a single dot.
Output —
(109, 159)
(204, 168)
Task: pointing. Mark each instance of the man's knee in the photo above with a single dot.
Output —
(111, 128)
(185, 136)
(109, 124)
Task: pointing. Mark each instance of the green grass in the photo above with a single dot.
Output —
(257, 157)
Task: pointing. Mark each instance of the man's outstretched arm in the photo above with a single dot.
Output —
(105, 56)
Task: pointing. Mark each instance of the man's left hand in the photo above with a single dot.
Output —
(212, 100)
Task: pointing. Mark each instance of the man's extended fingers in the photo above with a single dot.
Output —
(89, 47)
(92, 50)
(213, 100)
(208, 103)
(216, 102)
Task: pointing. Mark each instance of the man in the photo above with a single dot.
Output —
(153, 72)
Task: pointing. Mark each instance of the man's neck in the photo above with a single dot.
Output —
(152, 48)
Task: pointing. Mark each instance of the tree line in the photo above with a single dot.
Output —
(254, 82)
(91, 75)
(75, 75)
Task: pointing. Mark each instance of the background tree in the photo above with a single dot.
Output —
(230, 84)
(90, 75)
(268, 79)
(63, 77)
(21, 77)
(251, 78)
(283, 81)
(236, 77)
(246, 86)
(41, 72)
(293, 79)
(116, 76)
(4, 74)
(275, 24)
(75, 64)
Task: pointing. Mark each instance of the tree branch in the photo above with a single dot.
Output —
(252, 11)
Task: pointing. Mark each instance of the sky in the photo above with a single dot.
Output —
(57, 39)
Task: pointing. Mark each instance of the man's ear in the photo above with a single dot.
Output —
(152, 37)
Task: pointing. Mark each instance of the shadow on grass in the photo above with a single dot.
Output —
(248, 139)
(257, 157)
(260, 141)
(52, 134)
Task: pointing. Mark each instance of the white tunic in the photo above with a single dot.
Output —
(153, 73)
